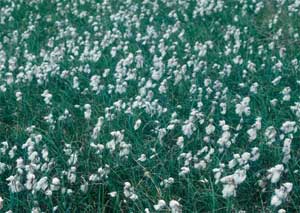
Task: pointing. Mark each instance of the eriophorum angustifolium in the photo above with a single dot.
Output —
(149, 106)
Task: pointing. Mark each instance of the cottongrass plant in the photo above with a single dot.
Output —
(149, 106)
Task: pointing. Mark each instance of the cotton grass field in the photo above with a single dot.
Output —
(149, 106)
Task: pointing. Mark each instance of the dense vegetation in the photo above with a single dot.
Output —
(149, 106)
